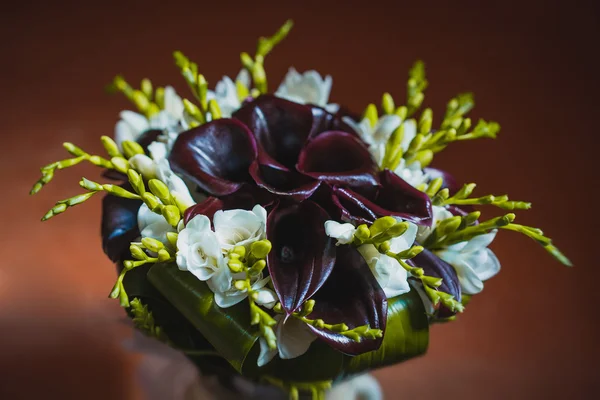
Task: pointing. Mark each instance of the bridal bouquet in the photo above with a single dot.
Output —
(282, 238)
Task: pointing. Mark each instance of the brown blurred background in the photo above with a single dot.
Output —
(533, 66)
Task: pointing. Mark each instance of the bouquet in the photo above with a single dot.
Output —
(283, 238)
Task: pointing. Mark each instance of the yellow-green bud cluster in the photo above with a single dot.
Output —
(145, 99)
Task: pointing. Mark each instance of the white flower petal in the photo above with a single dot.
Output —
(144, 164)
(225, 300)
(239, 227)
(406, 240)
(489, 268)
(480, 242)
(390, 275)
(123, 132)
(309, 87)
(173, 103)
(344, 233)
(158, 150)
(370, 254)
(384, 128)
(293, 338)
(266, 298)
(136, 121)
(410, 131)
(266, 354)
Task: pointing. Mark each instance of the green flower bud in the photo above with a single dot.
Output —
(163, 255)
(261, 248)
(74, 150)
(136, 181)
(110, 146)
(131, 148)
(371, 114)
(172, 215)
(235, 265)
(120, 164)
(258, 266)
(448, 225)
(425, 121)
(151, 201)
(214, 109)
(152, 244)
(387, 103)
(160, 190)
(240, 284)
(172, 238)
(120, 192)
(137, 252)
(90, 185)
(362, 232)
(381, 224)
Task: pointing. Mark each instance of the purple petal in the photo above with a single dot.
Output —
(119, 225)
(282, 181)
(435, 266)
(352, 206)
(352, 296)
(280, 126)
(216, 156)
(324, 121)
(302, 256)
(208, 207)
(395, 197)
(338, 158)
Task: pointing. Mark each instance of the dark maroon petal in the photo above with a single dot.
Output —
(302, 256)
(395, 197)
(245, 198)
(280, 126)
(338, 158)
(402, 199)
(119, 225)
(352, 206)
(435, 266)
(324, 121)
(208, 207)
(352, 296)
(282, 181)
(216, 156)
(147, 137)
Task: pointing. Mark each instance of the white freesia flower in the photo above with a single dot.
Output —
(308, 87)
(153, 225)
(473, 262)
(390, 275)
(294, 338)
(133, 124)
(240, 227)
(226, 94)
(344, 233)
(203, 252)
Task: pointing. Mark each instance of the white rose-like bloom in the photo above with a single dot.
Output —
(307, 88)
(473, 261)
(199, 252)
(344, 233)
(390, 275)
(153, 225)
(240, 227)
(133, 124)
(226, 93)
(294, 338)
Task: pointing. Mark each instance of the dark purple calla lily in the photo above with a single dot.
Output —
(280, 126)
(324, 121)
(302, 256)
(338, 158)
(119, 225)
(395, 197)
(435, 266)
(351, 295)
(216, 156)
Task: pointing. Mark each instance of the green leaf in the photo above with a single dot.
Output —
(406, 336)
(227, 329)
